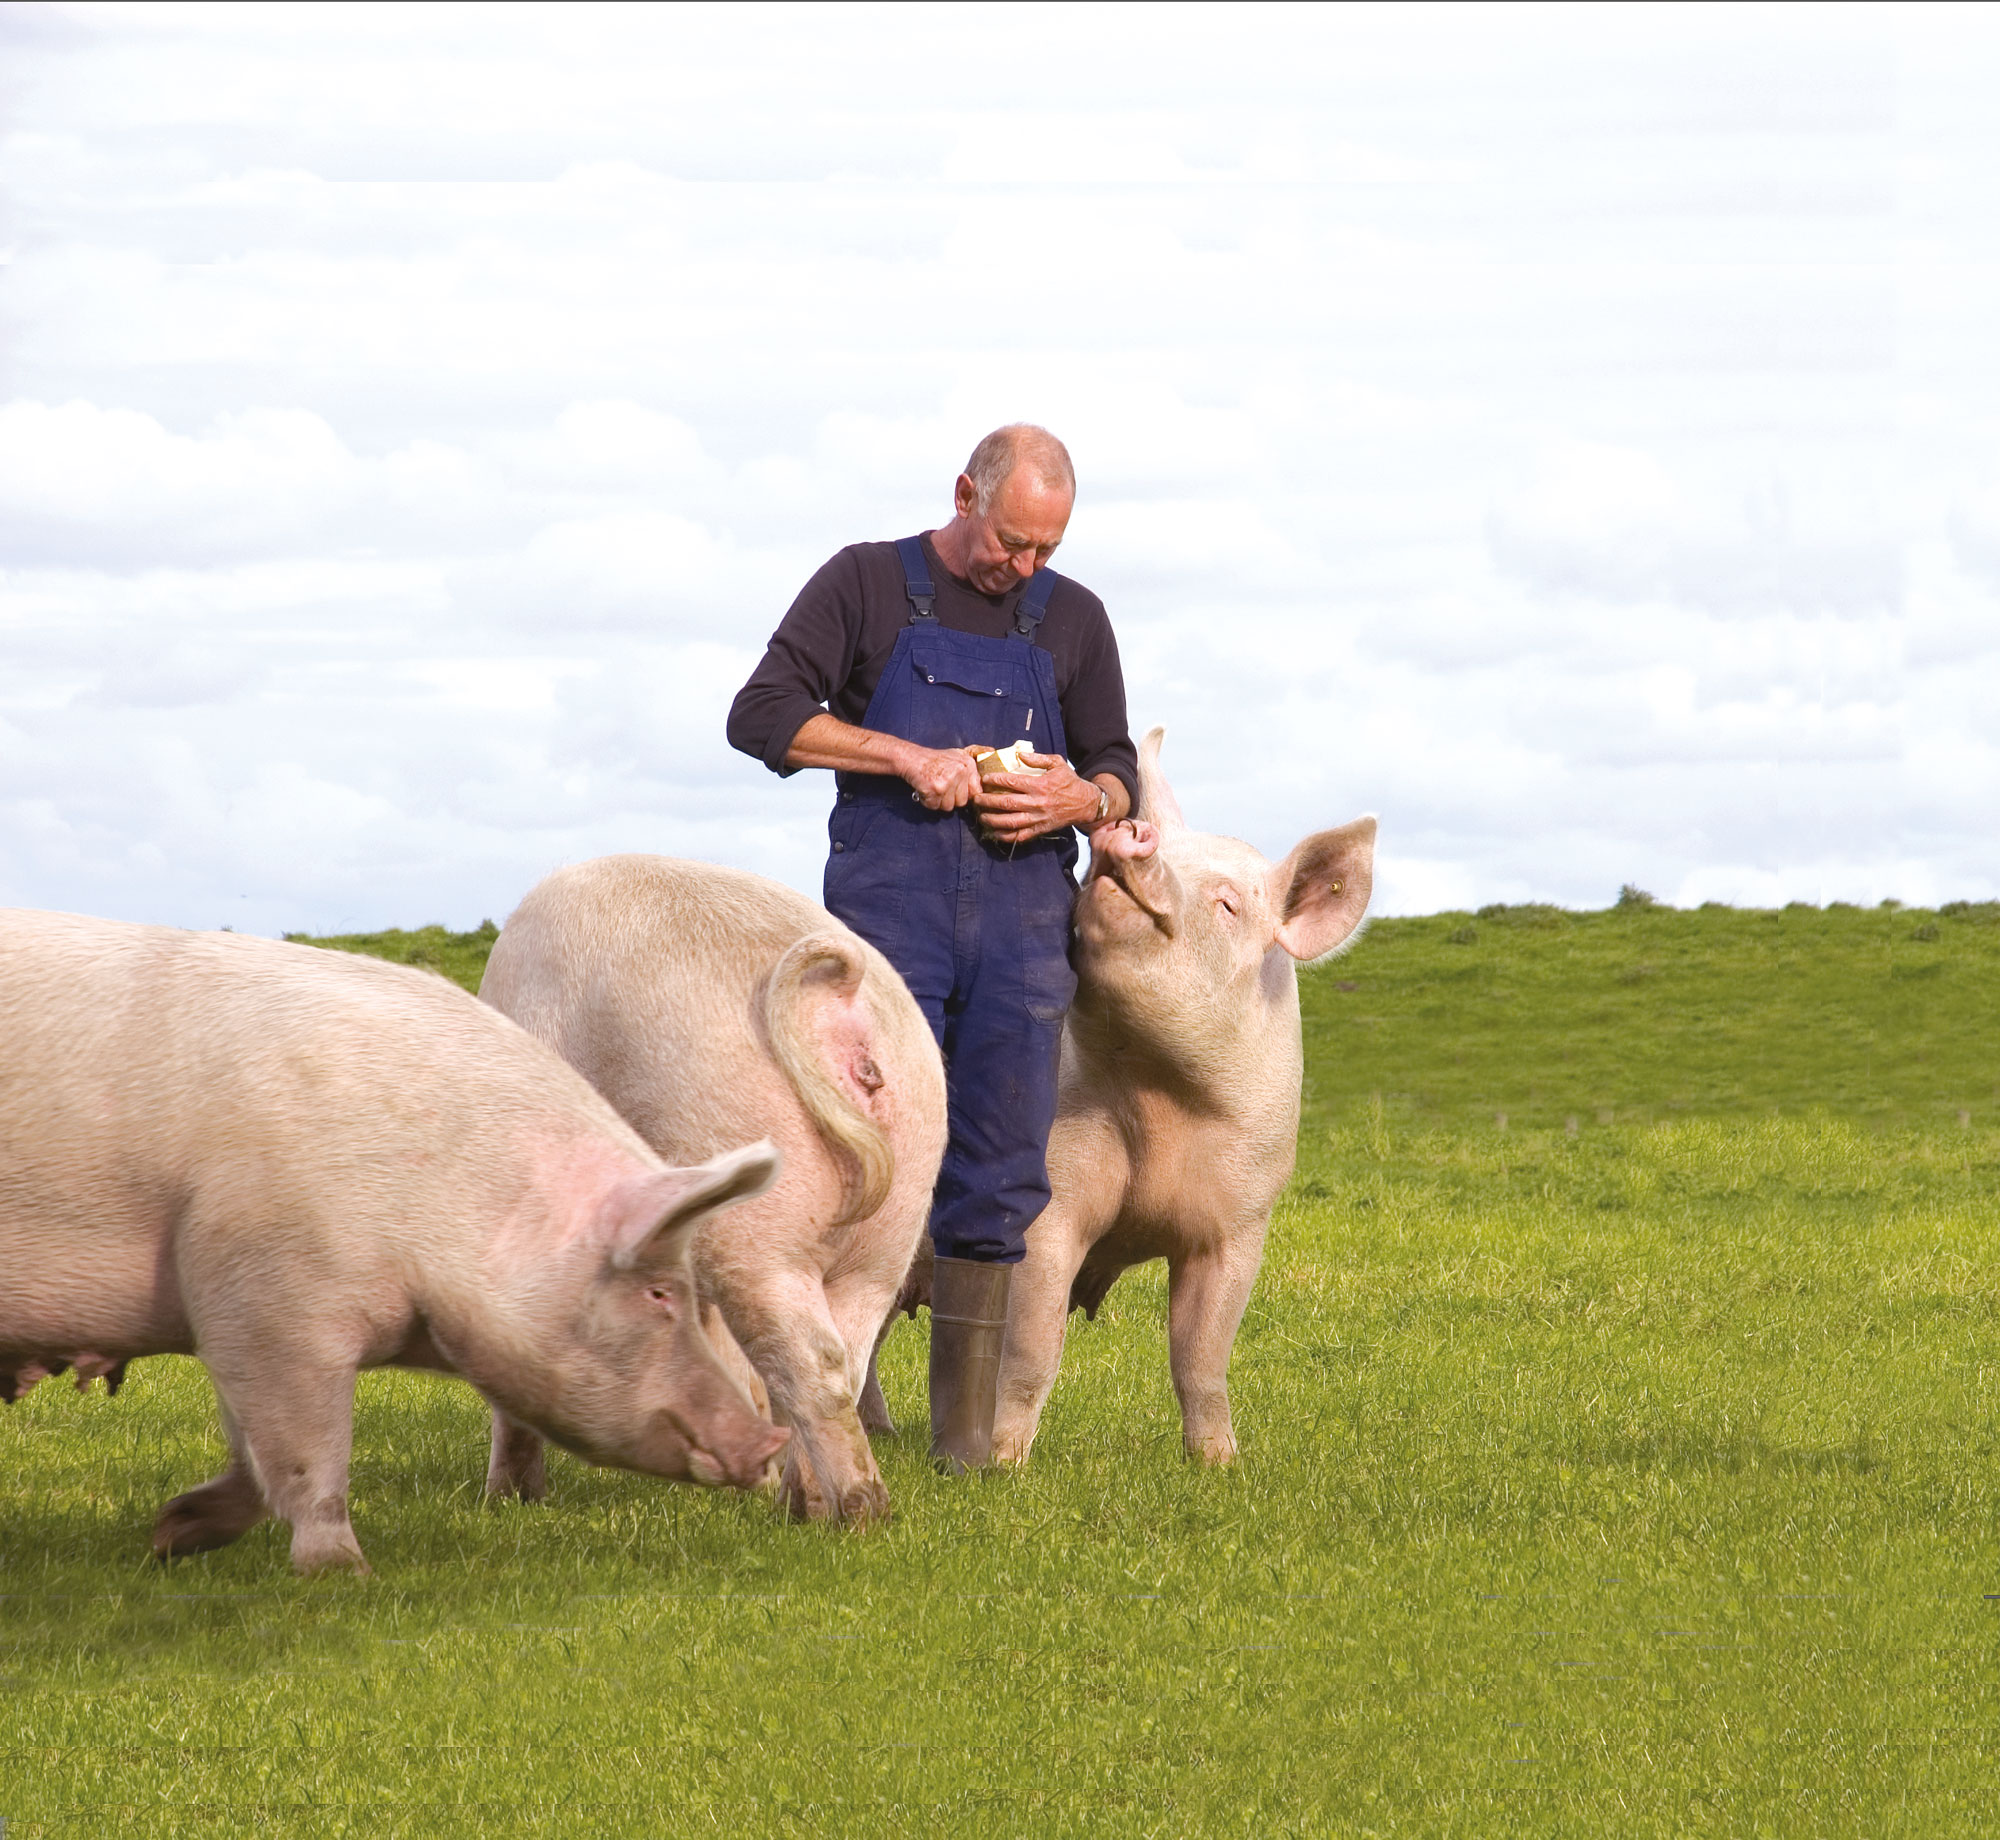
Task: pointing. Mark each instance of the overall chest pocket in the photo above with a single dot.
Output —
(961, 702)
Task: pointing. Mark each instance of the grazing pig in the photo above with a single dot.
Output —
(705, 1003)
(1178, 1115)
(296, 1164)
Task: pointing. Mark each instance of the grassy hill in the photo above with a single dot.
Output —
(1886, 1015)
(1640, 1479)
(1882, 1015)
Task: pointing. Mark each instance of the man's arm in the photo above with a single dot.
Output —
(943, 778)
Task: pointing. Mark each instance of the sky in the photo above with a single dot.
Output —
(1572, 435)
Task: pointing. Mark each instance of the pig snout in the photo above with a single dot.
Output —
(1127, 855)
(740, 1463)
(726, 1442)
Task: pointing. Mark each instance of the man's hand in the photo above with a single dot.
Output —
(942, 778)
(1017, 807)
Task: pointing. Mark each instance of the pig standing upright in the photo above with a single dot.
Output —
(296, 1164)
(705, 1003)
(1178, 1117)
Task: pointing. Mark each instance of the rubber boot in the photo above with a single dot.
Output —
(968, 1318)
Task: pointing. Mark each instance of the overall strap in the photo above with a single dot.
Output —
(1035, 603)
(916, 578)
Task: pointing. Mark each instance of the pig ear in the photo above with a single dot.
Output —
(650, 1215)
(1321, 890)
(1156, 798)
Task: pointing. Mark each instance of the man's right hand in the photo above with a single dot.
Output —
(942, 778)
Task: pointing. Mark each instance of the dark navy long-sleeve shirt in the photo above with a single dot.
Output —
(829, 652)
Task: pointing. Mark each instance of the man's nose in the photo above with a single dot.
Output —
(1024, 563)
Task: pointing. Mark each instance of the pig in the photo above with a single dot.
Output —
(295, 1164)
(706, 1003)
(1177, 1115)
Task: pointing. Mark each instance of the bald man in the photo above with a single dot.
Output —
(896, 666)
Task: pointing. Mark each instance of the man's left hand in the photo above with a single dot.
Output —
(1017, 807)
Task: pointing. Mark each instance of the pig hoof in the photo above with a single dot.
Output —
(1219, 1455)
(866, 1505)
(347, 1559)
(526, 1482)
(205, 1518)
(526, 1488)
(519, 1464)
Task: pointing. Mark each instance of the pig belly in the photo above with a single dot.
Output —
(74, 1284)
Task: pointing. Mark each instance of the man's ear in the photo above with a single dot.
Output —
(650, 1216)
(1320, 891)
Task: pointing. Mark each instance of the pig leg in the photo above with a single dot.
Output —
(794, 1342)
(874, 1408)
(863, 1311)
(298, 1426)
(517, 1466)
(1031, 1354)
(217, 1512)
(1207, 1292)
(914, 1291)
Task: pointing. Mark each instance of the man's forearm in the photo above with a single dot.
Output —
(826, 741)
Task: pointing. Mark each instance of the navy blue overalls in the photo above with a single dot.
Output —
(980, 931)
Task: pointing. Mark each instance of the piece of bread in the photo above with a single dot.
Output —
(1006, 760)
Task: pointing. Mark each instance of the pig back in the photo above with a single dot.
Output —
(653, 977)
(160, 1083)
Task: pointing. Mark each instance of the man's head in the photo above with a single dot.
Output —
(1013, 503)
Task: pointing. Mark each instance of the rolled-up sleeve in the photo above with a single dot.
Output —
(809, 656)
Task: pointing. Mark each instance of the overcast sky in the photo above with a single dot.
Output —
(1573, 436)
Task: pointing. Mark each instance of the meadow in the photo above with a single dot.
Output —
(1618, 1408)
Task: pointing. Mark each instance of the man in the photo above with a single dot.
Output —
(897, 664)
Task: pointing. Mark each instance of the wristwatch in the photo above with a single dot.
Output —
(1103, 806)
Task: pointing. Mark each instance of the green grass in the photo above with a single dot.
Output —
(1639, 1480)
(1887, 1015)
(458, 956)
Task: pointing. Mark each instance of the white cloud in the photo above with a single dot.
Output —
(1572, 441)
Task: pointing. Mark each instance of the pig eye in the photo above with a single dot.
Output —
(659, 1294)
(1226, 899)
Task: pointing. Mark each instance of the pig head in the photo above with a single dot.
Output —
(622, 1373)
(1178, 1120)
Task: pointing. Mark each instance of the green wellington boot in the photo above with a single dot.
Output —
(968, 1318)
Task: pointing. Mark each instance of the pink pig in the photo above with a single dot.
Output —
(706, 1003)
(296, 1164)
(1178, 1112)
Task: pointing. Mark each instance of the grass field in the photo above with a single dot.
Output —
(1633, 1478)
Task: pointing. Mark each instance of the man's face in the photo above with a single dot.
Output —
(1010, 541)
